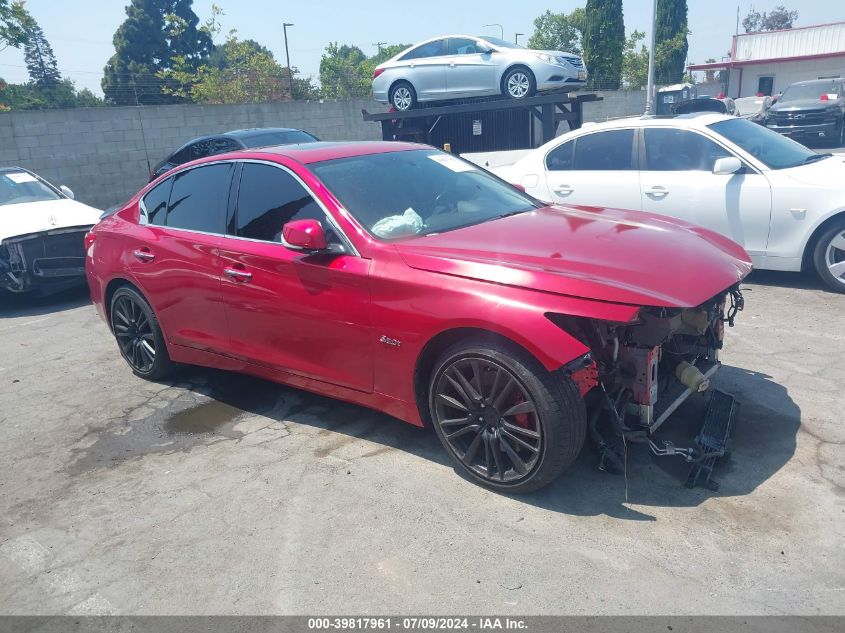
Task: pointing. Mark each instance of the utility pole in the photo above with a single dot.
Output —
(501, 29)
(285, 26)
(379, 45)
(516, 37)
(649, 101)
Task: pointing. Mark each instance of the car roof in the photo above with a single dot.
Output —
(691, 120)
(810, 82)
(315, 152)
(256, 131)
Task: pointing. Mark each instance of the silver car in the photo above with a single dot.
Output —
(461, 66)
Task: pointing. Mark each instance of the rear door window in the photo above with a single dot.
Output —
(430, 49)
(612, 150)
(671, 149)
(199, 197)
(561, 157)
(268, 198)
(462, 46)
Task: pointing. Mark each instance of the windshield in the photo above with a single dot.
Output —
(20, 186)
(418, 192)
(495, 41)
(799, 92)
(277, 138)
(770, 148)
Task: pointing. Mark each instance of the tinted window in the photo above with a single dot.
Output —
(181, 156)
(268, 198)
(431, 49)
(155, 202)
(21, 186)
(462, 46)
(199, 197)
(669, 149)
(212, 146)
(560, 158)
(277, 138)
(605, 151)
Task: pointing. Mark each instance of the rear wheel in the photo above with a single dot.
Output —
(519, 83)
(505, 421)
(138, 334)
(829, 256)
(403, 96)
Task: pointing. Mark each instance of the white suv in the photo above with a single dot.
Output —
(784, 203)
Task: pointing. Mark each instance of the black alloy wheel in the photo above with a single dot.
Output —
(504, 420)
(138, 334)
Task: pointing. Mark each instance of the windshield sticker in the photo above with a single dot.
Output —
(20, 177)
(455, 164)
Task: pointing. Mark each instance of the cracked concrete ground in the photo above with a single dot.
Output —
(222, 494)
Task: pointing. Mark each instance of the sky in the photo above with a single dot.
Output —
(81, 31)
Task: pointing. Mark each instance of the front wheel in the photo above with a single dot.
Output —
(505, 421)
(829, 257)
(519, 83)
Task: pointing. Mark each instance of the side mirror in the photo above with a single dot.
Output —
(306, 235)
(67, 191)
(727, 166)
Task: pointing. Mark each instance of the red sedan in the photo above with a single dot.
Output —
(405, 279)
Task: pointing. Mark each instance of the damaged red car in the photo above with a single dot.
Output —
(405, 279)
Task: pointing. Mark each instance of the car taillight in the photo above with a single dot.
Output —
(89, 240)
(377, 72)
(824, 97)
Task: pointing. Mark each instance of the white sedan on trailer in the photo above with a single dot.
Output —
(784, 203)
(42, 230)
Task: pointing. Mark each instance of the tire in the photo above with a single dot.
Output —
(545, 430)
(403, 97)
(829, 256)
(519, 83)
(138, 334)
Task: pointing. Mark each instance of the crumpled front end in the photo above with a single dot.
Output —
(47, 260)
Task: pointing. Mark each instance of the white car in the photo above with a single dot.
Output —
(42, 230)
(784, 203)
(462, 66)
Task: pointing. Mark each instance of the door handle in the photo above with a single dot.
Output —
(564, 190)
(237, 275)
(451, 64)
(143, 254)
(657, 191)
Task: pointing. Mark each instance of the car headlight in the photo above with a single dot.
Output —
(549, 59)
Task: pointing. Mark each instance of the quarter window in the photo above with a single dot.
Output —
(430, 49)
(268, 198)
(669, 149)
(155, 203)
(199, 197)
(605, 151)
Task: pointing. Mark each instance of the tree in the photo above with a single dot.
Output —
(154, 33)
(559, 31)
(40, 60)
(31, 96)
(303, 88)
(343, 74)
(244, 75)
(671, 43)
(604, 43)
(12, 16)
(780, 18)
(221, 54)
(635, 62)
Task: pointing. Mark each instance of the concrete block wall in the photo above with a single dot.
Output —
(104, 154)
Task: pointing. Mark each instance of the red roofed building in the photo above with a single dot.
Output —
(769, 61)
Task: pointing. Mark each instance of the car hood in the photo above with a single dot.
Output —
(47, 215)
(800, 104)
(593, 253)
(827, 173)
